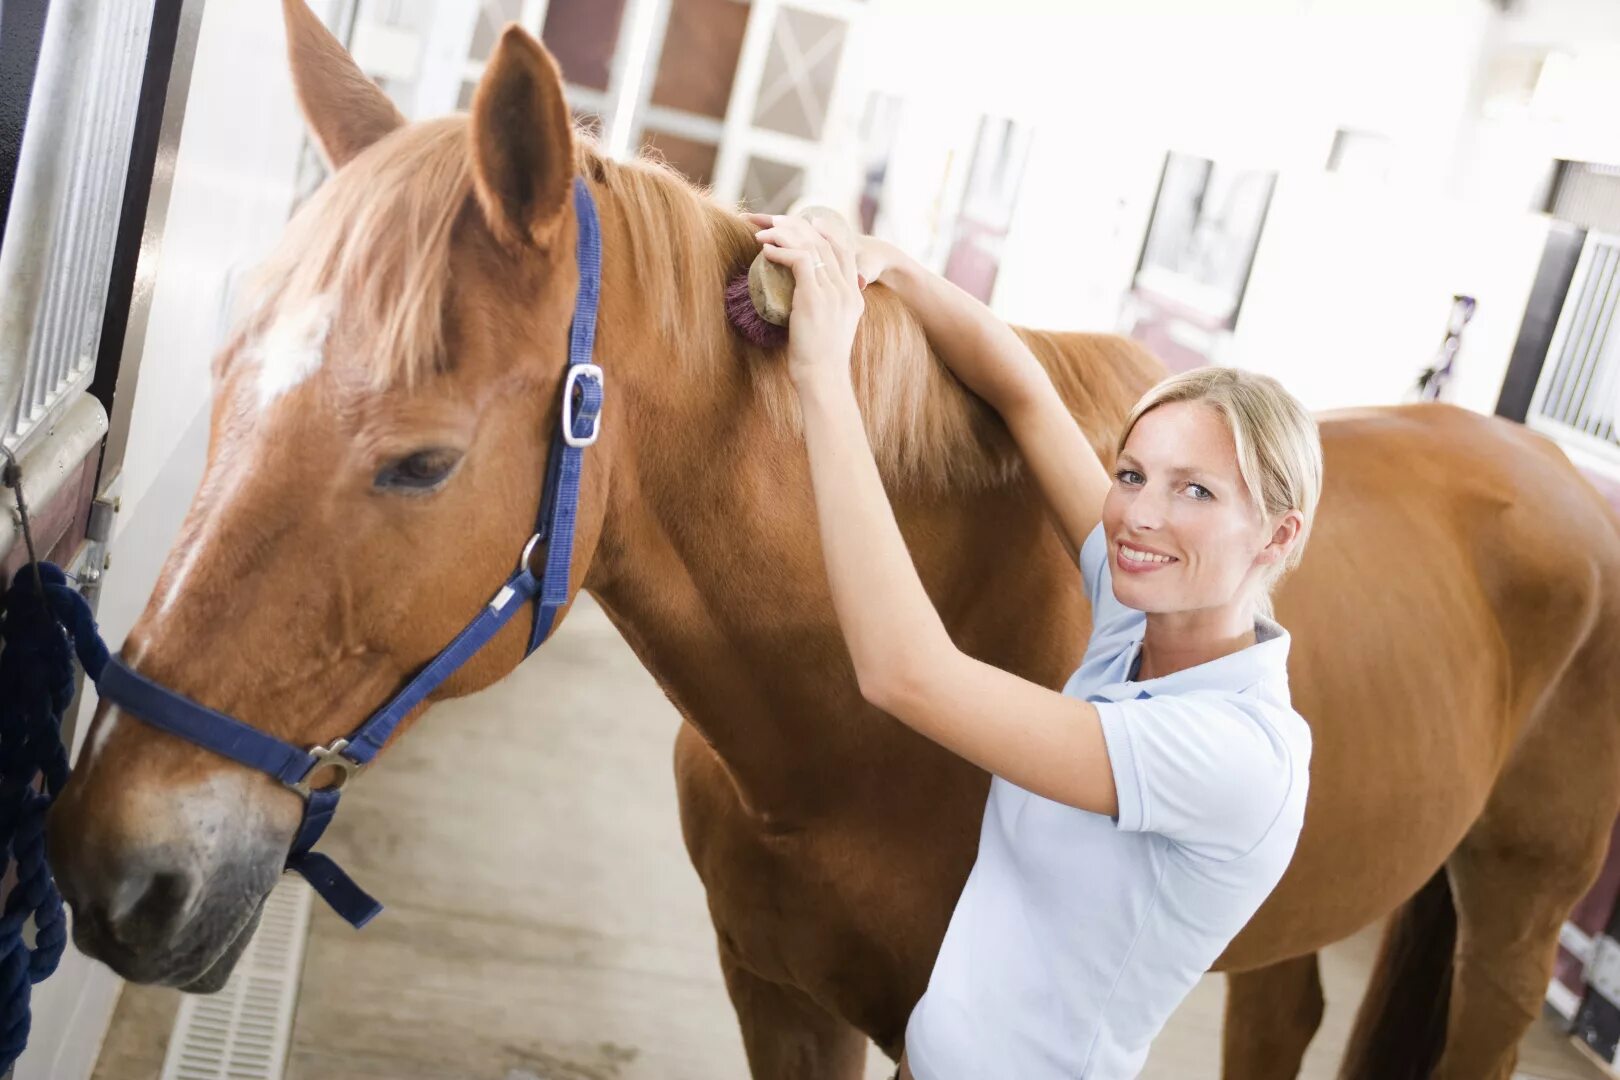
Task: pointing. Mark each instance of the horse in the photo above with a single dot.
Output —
(1456, 620)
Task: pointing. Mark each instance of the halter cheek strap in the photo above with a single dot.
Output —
(559, 504)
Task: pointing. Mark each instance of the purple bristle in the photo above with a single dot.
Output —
(740, 310)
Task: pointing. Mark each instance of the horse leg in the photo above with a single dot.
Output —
(1521, 867)
(786, 1035)
(1401, 1026)
(1271, 1015)
(1511, 902)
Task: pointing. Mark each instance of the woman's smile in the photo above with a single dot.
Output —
(1137, 560)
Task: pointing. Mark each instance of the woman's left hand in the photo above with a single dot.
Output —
(827, 302)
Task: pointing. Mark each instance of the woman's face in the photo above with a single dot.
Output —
(1183, 532)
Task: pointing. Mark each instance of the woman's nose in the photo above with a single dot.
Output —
(1145, 510)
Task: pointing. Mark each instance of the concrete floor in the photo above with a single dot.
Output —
(543, 922)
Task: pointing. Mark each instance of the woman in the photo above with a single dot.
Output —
(1138, 818)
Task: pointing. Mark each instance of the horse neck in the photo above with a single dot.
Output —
(710, 563)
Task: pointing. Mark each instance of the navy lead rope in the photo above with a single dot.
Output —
(559, 503)
(43, 622)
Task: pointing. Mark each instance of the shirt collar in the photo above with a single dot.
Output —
(1235, 672)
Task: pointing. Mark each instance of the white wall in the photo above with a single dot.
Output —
(1353, 280)
(233, 187)
(1352, 286)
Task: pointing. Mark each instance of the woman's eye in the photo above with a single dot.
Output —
(418, 473)
(1128, 476)
(1200, 492)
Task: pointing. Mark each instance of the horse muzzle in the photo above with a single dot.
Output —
(162, 916)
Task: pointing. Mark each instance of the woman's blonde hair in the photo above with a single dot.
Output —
(1279, 451)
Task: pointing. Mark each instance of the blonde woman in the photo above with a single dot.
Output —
(1138, 818)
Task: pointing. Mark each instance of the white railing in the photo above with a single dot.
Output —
(1577, 399)
(56, 261)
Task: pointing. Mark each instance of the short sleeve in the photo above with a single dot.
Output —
(1110, 619)
(1207, 770)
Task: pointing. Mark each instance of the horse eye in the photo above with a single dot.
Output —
(418, 473)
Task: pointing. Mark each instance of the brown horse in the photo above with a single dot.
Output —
(1456, 624)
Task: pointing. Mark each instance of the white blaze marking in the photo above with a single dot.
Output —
(292, 349)
(109, 720)
(180, 576)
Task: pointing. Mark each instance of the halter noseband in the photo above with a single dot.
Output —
(294, 766)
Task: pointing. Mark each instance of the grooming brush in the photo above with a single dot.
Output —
(759, 302)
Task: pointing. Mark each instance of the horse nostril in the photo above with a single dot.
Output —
(147, 909)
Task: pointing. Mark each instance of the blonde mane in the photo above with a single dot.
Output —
(379, 235)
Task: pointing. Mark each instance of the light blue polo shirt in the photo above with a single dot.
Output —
(1077, 935)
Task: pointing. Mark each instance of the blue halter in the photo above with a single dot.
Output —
(294, 766)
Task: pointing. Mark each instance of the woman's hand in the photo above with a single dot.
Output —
(874, 258)
(827, 302)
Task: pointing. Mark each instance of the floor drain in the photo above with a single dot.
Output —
(242, 1032)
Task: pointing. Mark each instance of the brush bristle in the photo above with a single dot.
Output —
(740, 310)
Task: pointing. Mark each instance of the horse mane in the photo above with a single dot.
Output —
(928, 433)
(379, 234)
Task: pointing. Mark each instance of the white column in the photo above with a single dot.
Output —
(735, 144)
(641, 32)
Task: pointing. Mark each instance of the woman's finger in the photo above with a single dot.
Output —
(797, 232)
(842, 254)
(799, 260)
(809, 241)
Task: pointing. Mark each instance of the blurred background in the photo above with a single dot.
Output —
(1299, 186)
(1374, 200)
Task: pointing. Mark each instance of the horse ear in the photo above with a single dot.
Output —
(346, 111)
(522, 142)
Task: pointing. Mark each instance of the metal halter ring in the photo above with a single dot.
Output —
(329, 757)
(575, 374)
(528, 552)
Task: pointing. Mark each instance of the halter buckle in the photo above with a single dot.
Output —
(570, 384)
(329, 757)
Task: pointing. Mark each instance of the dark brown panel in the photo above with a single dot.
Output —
(694, 159)
(581, 34)
(699, 61)
(58, 525)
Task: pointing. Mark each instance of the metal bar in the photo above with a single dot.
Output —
(22, 28)
(1569, 318)
(1593, 369)
(1599, 269)
(46, 158)
(1538, 339)
(165, 88)
(54, 267)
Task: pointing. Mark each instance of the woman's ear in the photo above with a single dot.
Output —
(1286, 530)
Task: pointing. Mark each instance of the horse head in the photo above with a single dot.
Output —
(380, 426)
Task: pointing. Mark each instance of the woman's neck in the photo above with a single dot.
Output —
(1176, 641)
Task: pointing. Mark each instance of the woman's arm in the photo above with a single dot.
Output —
(993, 362)
(904, 659)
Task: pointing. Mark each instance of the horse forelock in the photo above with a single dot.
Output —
(371, 248)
